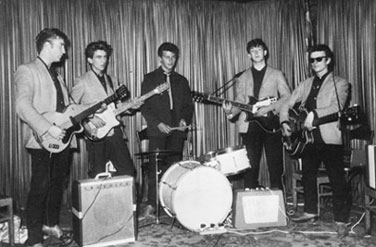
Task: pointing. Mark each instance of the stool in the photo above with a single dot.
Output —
(323, 185)
(8, 216)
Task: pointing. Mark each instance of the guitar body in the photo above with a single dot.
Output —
(300, 137)
(63, 121)
(269, 123)
(109, 117)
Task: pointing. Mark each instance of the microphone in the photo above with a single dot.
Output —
(239, 74)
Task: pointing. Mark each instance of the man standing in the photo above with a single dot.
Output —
(322, 95)
(166, 111)
(260, 82)
(40, 89)
(92, 87)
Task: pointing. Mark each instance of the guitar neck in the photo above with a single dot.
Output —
(220, 101)
(326, 119)
(122, 107)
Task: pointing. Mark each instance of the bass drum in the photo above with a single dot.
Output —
(196, 195)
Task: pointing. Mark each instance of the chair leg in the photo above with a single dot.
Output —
(294, 194)
(368, 214)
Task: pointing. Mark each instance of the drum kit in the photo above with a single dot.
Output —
(197, 192)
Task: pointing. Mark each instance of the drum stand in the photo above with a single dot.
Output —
(157, 157)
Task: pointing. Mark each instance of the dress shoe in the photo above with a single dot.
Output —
(54, 231)
(342, 229)
(305, 217)
(36, 245)
(147, 211)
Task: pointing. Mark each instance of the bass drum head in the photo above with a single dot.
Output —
(198, 196)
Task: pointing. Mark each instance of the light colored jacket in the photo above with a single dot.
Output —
(273, 85)
(326, 104)
(35, 95)
(88, 89)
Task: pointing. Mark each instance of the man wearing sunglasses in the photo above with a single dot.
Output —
(321, 95)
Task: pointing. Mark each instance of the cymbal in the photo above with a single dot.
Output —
(158, 152)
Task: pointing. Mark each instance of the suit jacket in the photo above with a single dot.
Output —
(35, 95)
(88, 89)
(157, 108)
(326, 104)
(273, 85)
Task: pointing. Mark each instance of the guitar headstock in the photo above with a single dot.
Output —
(121, 92)
(351, 115)
(161, 88)
(199, 97)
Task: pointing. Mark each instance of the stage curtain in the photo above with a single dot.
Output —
(212, 38)
(349, 29)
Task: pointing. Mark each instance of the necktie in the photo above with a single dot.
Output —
(60, 105)
(169, 90)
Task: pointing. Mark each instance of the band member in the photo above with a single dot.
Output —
(40, 89)
(163, 112)
(321, 95)
(260, 81)
(92, 87)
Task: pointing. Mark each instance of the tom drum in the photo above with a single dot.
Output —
(229, 161)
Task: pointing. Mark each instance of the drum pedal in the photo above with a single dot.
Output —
(212, 229)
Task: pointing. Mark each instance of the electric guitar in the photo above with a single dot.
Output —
(300, 137)
(70, 120)
(270, 122)
(109, 115)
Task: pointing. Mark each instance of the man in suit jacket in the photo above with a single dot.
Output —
(322, 95)
(92, 87)
(40, 89)
(260, 82)
(166, 111)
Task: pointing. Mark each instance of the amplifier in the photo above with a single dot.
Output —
(371, 151)
(104, 211)
(258, 208)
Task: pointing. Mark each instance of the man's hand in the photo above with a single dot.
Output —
(227, 107)
(263, 110)
(137, 103)
(308, 121)
(56, 132)
(164, 128)
(182, 123)
(286, 129)
(97, 122)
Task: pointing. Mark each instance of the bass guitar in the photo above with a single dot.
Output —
(109, 115)
(300, 137)
(270, 122)
(70, 120)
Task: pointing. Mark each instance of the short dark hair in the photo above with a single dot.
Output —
(167, 46)
(48, 34)
(98, 45)
(328, 53)
(257, 43)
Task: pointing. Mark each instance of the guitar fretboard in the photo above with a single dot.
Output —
(220, 101)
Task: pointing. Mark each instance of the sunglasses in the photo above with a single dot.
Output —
(318, 59)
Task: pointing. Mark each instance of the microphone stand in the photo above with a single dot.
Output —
(226, 86)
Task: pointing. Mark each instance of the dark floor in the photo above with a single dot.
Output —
(148, 233)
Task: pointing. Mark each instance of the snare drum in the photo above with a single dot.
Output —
(229, 161)
(196, 195)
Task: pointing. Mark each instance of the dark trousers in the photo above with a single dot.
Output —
(111, 148)
(173, 142)
(332, 157)
(255, 140)
(50, 174)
